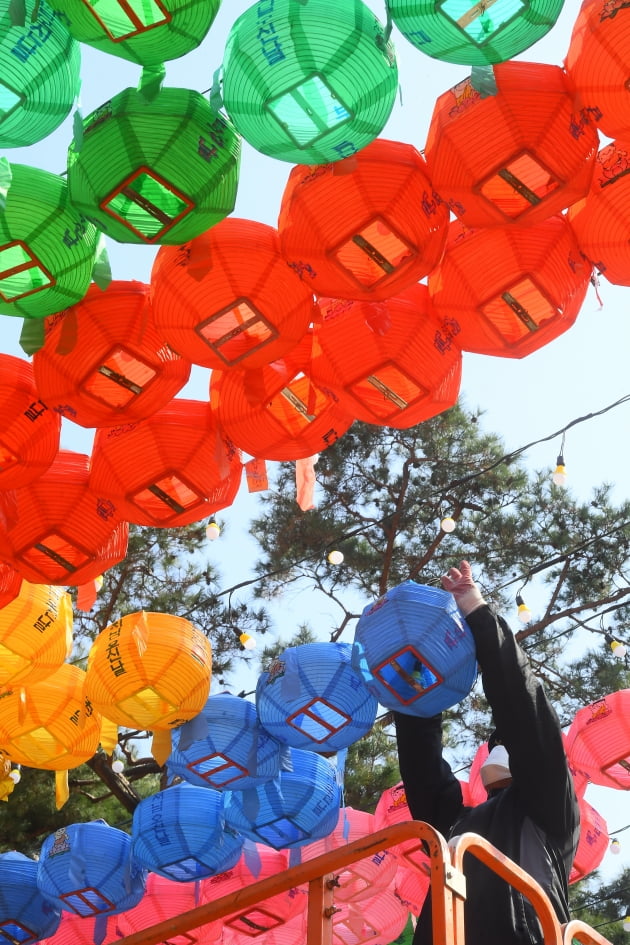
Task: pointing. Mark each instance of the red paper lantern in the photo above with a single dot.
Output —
(598, 740)
(228, 298)
(391, 363)
(366, 227)
(597, 63)
(277, 412)
(172, 469)
(59, 531)
(511, 290)
(29, 430)
(103, 360)
(10, 584)
(518, 156)
(593, 842)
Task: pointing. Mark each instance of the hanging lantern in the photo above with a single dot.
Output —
(598, 740)
(171, 171)
(299, 806)
(39, 64)
(87, 869)
(477, 793)
(225, 747)
(517, 156)
(29, 429)
(180, 833)
(47, 248)
(596, 63)
(309, 83)
(147, 33)
(285, 933)
(174, 468)
(312, 698)
(392, 808)
(412, 886)
(393, 363)
(35, 634)
(10, 584)
(78, 930)
(165, 899)
(103, 361)
(26, 916)
(592, 845)
(510, 290)
(476, 35)
(277, 411)
(414, 650)
(380, 919)
(364, 228)
(228, 299)
(149, 671)
(50, 724)
(58, 531)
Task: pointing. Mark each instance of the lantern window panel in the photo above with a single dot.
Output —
(12, 663)
(217, 769)
(39, 743)
(482, 22)
(147, 707)
(279, 833)
(87, 902)
(8, 458)
(236, 331)
(121, 19)
(388, 391)
(318, 719)
(407, 675)
(14, 933)
(167, 497)
(297, 405)
(309, 110)
(118, 379)
(185, 870)
(255, 922)
(55, 556)
(519, 310)
(21, 272)
(373, 253)
(518, 185)
(619, 771)
(10, 99)
(147, 204)
(415, 856)
(347, 925)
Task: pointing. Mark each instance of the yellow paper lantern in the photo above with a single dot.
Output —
(35, 634)
(149, 671)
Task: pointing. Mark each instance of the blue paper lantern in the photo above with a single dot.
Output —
(180, 834)
(414, 650)
(297, 807)
(87, 869)
(25, 914)
(312, 698)
(225, 747)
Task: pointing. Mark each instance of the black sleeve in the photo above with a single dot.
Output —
(433, 793)
(527, 725)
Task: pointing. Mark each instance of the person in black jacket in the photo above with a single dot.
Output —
(531, 813)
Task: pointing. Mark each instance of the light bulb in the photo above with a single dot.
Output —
(615, 846)
(559, 477)
(118, 766)
(619, 649)
(448, 524)
(626, 924)
(524, 613)
(98, 582)
(16, 775)
(212, 531)
(335, 557)
(248, 642)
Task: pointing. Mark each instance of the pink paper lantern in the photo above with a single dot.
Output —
(593, 842)
(598, 740)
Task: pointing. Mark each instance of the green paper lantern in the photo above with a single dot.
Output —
(47, 248)
(470, 33)
(171, 168)
(39, 73)
(148, 32)
(309, 82)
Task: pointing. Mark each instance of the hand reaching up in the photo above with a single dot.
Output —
(459, 582)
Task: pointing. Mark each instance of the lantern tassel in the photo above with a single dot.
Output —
(6, 176)
(161, 747)
(86, 595)
(102, 271)
(62, 791)
(151, 81)
(109, 735)
(32, 335)
(305, 482)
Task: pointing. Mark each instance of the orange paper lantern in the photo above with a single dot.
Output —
(103, 360)
(366, 227)
(511, 290)
(35, 634)
(598, 740)
(172, 469)
(29, 430)
(228, 298)
(518, 156)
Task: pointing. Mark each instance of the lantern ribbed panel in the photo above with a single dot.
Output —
(510, 290)
(171, 171)
(412, 886)
(103, 361)
(29, 429)
(299, 806)
(593, 842)
(414, 651)
(87, 869)
(392, 808)
(180, 834)
(228, 298)
(52, 726)
(148, 33)
(392, 363)
(50, 241)
(471, 34)
(598, 740)
(165, 899)
(291, 932)
(10, 584)
(380, 919)
(366, 228)
(225, 746)
(35, 634)
(276, 412)
(597, 64)
(518, 156)
(312, 698)
(476, 791)
(78, 930)
(602, 219)
(174, 468)
(309, 82)
(24, 911)
(39, 70)
(149, 671)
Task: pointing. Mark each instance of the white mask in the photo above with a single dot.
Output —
(496, 767)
